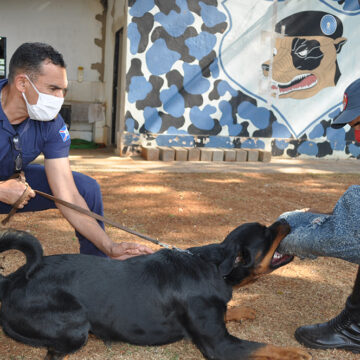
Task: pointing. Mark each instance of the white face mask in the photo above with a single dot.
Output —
(46, 108)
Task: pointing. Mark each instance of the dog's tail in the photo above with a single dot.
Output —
(24, 242)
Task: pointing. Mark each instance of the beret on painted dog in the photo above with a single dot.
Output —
(311, 23)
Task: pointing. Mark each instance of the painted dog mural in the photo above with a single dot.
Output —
(199, 74)
(305, 57)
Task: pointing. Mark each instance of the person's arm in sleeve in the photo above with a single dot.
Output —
(63, 186)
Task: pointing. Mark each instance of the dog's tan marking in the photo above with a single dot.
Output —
(240, 313)
(263, 267)
(270, 352)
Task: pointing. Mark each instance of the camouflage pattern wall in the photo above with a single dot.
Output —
(236, 73)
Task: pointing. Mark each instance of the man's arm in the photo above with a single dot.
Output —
(62, 184)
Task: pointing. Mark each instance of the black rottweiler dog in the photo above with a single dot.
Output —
(55, 301)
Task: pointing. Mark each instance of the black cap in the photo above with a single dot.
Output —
(311, 23)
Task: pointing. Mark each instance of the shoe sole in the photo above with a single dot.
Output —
(304, 342)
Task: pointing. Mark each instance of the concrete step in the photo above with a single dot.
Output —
(177, 153)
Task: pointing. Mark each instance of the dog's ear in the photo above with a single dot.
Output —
(244, 258)
(227, 264)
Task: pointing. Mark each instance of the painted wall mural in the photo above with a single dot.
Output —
(236, 73)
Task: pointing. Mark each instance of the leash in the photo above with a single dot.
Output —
(21, 177)
(81, 210)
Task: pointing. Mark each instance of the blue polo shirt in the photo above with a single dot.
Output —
(48, 137)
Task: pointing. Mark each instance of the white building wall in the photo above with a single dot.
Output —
(68, 25)
(71, 27)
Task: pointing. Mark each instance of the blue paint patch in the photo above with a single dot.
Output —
(211, 15)
(259, 116)
(173, 102)
(252, 144)
(234, 129)
(141, 7)
(130, 125)
(227, 119)
(138, 89)
(174, 140)
(214, 68)
(159, 59)
(130, 139)
(354, 150)
(176, 23)
(201, 118)
(174, 131)
(200, 46)
(280, 131)
(224, 86)
(317, 132)
(194, 82)
(153, 120)
(336, 138)
(219, 142)
(351, 5)
(226, 109)
(308, 148)
(134, 37)
(281, 144)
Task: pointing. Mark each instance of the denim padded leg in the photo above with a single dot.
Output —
(336, 235)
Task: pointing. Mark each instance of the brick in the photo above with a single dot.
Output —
(264, 156)
(241, 155)
(218, 155)
(253, 155)
(181, 153)
(166, 153)
(206, 154)
(150, 153)
(193, 154)
(229, 155)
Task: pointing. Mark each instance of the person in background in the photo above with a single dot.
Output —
(336, 234)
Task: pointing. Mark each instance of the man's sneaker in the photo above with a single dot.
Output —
(342, 332)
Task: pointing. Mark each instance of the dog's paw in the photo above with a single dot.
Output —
(240, 313)
(270, 352)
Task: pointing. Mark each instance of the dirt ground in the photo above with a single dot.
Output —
(196, 209)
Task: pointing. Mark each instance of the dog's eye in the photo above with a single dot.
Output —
(244, 258)
(239, 260)
(304, 53)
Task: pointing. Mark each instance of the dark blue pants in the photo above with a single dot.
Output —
(88, 188)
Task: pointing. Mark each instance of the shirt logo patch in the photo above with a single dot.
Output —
(64, 132)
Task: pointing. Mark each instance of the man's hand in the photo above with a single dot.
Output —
(125, 250)
(11, 190)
